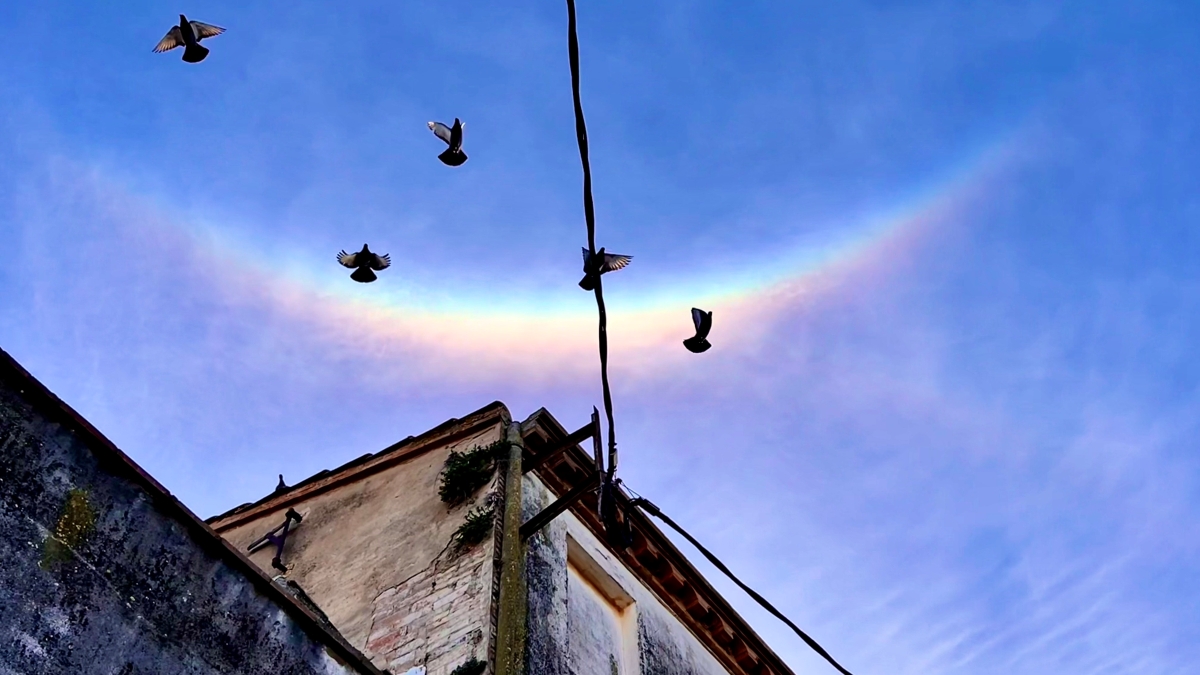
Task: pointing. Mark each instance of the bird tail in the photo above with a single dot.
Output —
(453, 157)
(588, 282)
(697, 345)
(363, 275)
(194, 53)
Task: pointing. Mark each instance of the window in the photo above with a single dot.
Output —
(601, 619)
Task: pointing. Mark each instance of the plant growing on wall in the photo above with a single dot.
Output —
(476, 527)
(466, 472)
(472, 667)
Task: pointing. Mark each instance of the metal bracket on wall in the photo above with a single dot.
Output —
(561, 504)
(591, 430)
(278, 537)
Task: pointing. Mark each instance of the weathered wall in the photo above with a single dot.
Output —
(547, 648)
(438, 617)
(95, 577)
(376, 554)
(648, 638)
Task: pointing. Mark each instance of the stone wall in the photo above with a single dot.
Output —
(101, 571)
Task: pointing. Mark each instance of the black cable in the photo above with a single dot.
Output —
(653, 510)
(589, 214)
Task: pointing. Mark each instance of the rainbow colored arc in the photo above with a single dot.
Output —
(476, 337)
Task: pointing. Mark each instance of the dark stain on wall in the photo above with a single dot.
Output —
(546, 578)
(658, 652)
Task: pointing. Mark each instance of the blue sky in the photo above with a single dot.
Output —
(970, 450)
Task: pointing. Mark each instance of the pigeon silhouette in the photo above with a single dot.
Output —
(703, 321)
(453, 156)
(188, 35)
(594, 266)
(363, 263)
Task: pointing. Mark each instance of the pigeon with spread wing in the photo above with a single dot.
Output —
(364, 263)
(601, 263)
(188, 35)
(703, 321)
(453, 136)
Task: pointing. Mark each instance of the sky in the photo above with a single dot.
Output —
(949, 420)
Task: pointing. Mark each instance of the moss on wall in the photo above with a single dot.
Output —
(76, 522)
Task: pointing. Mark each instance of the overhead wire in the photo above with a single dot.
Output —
(590, 217)
(645, 505)
(589, 214)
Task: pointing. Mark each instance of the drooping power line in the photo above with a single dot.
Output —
(590, 217)
(653, 510)
(589, 214)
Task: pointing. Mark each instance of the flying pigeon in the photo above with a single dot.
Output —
(363, 262)
(453, 156)
(602, 262)
(703, 321)
(188, 35)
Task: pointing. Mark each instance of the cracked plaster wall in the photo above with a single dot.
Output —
(376, 556)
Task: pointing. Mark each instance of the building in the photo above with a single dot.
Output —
(411, 561)
(103, 571)
(378, 549)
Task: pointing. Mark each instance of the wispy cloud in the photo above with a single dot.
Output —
(965, 451)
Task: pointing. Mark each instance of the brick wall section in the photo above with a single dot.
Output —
(440, 617)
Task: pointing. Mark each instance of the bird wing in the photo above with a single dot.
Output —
(586, 254)
(613, 261)
(703, 321)
(381, 262)
(441, 131)
(204, 30)
(348, 259)
(173, 39)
